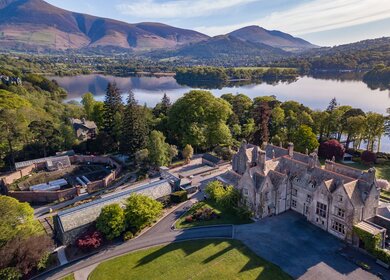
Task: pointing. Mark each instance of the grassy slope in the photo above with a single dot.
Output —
(226, 217)
(201, 259)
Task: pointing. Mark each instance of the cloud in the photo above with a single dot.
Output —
(176, 9)
(315, 16)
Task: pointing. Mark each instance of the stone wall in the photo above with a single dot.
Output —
(12, 177)
(44, 196)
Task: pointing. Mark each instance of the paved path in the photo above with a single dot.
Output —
(160, 234)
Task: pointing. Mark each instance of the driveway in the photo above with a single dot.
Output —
(301, 249)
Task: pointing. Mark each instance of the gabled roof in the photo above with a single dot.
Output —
(212, 158)
(77, 123)
(259, 179)
(354, 194)
(276, 177)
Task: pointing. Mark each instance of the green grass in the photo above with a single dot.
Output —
(201, 259)
(68, 277)
(226, 217)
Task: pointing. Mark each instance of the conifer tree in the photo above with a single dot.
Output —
(134, 128)
(113, 108)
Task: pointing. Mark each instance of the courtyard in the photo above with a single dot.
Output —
(301, 249)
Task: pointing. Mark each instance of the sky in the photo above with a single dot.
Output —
(322, 22)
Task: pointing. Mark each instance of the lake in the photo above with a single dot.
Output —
(312, 92)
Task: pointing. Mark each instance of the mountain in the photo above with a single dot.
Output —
(274, 38)
(37, 25)
(226, 48)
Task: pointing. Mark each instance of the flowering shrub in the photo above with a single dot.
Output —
(202, 214)
(90, 240)
(330, 149)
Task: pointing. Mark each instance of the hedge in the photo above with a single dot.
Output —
(371, 244)
(179, 196)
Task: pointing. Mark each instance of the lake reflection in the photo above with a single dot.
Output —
(312, 92)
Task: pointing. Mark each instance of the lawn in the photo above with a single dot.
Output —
(201, 259)
(226, 217)
(68, 277)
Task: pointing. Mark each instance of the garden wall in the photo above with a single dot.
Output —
(12, 177)
(44, 196)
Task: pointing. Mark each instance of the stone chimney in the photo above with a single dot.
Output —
(83, 120)
(261, 158)
(290, 149)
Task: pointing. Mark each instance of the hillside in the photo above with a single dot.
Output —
(226, 50)
(37, 25)
(274, 38)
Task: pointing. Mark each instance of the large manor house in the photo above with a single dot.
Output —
(335, 197)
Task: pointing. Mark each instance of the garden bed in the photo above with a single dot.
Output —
(215, 216)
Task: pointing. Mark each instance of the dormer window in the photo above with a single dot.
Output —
(340, 198)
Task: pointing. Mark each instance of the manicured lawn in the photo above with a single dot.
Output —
(201, 259)
(68, 277)
(226, 217)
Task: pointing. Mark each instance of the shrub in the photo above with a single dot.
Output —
(90, 240)
(189, 219)
(179, 196)
(128, 235)
(42, 264)
(330, 149)
(10, 273)
(243, 213)
(368, 157)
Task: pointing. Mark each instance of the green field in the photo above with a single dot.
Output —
(201, 259)
(227, 217)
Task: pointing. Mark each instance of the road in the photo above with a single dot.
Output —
(159, 234)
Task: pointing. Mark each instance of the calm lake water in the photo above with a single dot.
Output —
(312, 92)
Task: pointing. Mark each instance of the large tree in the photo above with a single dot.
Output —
(134, 128)
(158, 149)
(45, 134)
(261, 114)
(304, 138)
(88, 102)
(111, 221)
(141, 210)
(113, 106)
(199, 119)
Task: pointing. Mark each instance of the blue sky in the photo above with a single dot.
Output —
(322, 22)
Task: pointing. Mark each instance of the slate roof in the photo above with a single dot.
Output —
(212, 158)
(87, 213)
(276, 177)
(77, 123)
(230, 177)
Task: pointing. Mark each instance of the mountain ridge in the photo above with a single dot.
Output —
(39, 26)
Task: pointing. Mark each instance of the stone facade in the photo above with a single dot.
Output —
(334, 197)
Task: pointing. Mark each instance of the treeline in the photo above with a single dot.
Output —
(199, 75)
(205, 122)
(34, 122)
(378, 77)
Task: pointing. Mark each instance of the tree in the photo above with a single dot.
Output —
(194, 118)
(330, 149)
(141, 156)
(159, 150)
(172, 152)
(88, 102)
(17, 219)
(12, 129)
(10, 273)
(187, 153)
(97, 114)
(373, 130)
(25, 253)
(45, 134)
(368, 157)
(162, 108)
(90, 240)
(135, 130)
(111, 221)
(141, 210)
(261, 114)
(304, 138)
(225, 196)
(354, 128)
(113, 106)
